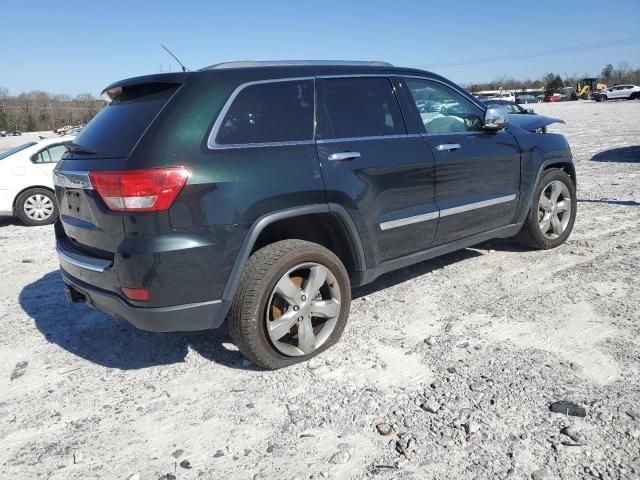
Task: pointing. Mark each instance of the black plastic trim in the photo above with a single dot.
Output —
(177, 318)
(266, 220)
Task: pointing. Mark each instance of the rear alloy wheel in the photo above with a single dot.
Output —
(553, 212)
(37, 207)
(292, 303)
(303, 310)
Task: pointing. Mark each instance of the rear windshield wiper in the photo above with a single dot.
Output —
(76, 148)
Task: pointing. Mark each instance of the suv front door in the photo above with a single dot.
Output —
(477, 171)
(383, 176)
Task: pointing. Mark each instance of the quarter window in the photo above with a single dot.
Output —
(280, 111)
(360, 107)
(442, 109)
(50, 155)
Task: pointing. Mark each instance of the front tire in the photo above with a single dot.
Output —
(292, 303)
(552, 213)
(37, 206)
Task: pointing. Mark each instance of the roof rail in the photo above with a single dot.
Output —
(293, 63)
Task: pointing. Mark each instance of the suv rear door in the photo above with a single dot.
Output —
(477, 171)
(382, 175)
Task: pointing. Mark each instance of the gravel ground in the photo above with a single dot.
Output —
(446, 369)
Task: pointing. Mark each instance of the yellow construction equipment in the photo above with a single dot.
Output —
(586, 87)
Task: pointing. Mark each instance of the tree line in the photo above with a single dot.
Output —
(554, 82)
(38, 110)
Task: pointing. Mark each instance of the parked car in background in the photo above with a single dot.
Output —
(556, 97)
(618, 92)
(178, 232)
(511, 107)
(26, 185)
(508, 96)
(523, 99)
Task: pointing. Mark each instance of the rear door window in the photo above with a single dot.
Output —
(116, 129)
(359, 107)
(268, 112)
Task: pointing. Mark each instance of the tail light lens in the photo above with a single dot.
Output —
(149, 190)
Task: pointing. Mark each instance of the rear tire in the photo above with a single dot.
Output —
(550, 220)
(37, 206)
(272, 319)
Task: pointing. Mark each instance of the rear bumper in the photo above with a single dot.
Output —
(188, 317)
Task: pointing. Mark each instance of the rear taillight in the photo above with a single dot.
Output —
(149, 190)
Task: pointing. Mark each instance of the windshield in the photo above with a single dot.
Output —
(13, 150)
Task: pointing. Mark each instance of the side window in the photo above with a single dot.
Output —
(442, 109)
(50, 155)
(280, 111)
(56, 153)
(360, 107)
(41, 157)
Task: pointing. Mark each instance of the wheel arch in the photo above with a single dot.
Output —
(568, 167)
(340, 232)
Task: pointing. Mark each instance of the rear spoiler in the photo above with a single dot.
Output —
(116, 88)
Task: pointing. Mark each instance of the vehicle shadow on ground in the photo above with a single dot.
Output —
(103, 340)
(5, 221)
(619, 155)
(624, 203)
(409, 273)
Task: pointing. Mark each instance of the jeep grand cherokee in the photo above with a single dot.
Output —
(263, 192)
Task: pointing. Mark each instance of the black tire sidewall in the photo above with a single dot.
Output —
(21, 214)
(534, 228)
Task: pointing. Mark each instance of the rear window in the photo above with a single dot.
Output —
(360, 107)
(117, 128)
(279, 111)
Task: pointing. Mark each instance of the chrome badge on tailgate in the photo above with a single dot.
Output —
(72, 179)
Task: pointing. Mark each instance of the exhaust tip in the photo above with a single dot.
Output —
(73, 295)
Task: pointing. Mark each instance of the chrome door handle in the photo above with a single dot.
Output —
(448, 147)
(344, 156)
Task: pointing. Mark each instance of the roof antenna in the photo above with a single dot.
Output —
(184, 69)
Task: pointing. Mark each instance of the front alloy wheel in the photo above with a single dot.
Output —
(552, 212)
(554, 209)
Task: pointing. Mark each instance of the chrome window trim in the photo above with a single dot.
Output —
(72, 179)
(211, 141)
(212, 145)
(401, 222)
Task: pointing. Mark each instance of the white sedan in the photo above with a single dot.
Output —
(26, 185)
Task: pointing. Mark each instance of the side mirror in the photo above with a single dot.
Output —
(495, 118)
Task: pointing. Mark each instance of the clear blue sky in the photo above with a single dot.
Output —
(81, 46)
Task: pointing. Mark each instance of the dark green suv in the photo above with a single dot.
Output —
(263, 192)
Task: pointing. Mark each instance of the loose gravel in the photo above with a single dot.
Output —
(448, 369)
